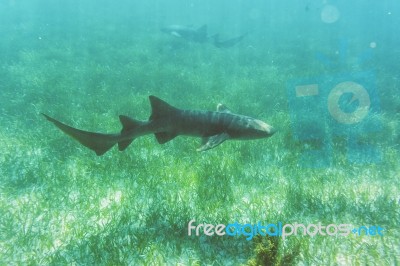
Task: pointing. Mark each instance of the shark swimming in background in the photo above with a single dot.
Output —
(187, 33)
(166, 122)
(200, 35)
(227, 43)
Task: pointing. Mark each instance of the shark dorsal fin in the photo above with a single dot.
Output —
(202, 30)
(128, 124)
(223, 109)
(213, 141)
(159, 108)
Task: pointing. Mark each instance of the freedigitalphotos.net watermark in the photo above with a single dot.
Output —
(279, 229)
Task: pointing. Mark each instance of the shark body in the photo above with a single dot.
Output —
(166, 122)
(187, 33)
(227, 43)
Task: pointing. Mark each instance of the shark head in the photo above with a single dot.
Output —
(262, 129)
(245, 127)
(256, 129)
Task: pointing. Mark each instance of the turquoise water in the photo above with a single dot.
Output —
(325, 74)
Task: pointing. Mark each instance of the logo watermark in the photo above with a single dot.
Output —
(337, 105)
(279, 229)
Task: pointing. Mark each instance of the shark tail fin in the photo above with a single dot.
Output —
(99, 143)
(128, 124)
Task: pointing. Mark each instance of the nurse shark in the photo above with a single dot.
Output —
(200, 35)
(166, 122)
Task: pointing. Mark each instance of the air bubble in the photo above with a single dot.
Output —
(330, 14)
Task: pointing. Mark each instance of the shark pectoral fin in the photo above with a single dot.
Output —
(164, 137)
(213, 141)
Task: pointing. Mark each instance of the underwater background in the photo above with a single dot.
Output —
(325, 74)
